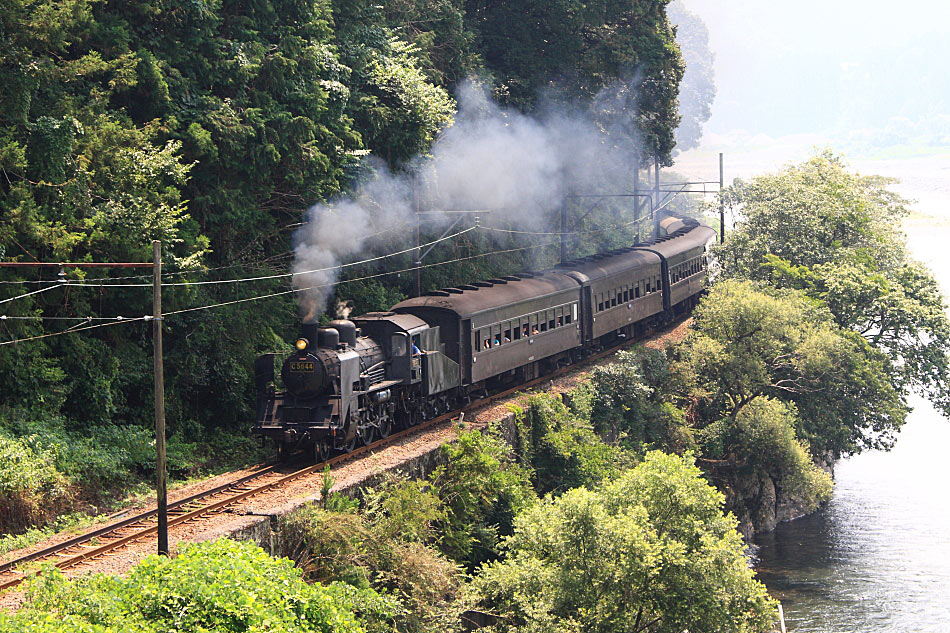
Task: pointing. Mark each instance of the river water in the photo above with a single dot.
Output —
(876, 559)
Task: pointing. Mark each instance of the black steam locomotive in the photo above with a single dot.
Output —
(354, 381)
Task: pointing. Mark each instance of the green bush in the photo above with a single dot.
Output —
(650, 551)
(483, 488)
(561, 448)
(220, 586)
(365, 553)
(32, 489)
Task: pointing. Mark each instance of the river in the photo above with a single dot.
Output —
(876, 559)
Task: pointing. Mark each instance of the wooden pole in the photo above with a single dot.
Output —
(417, 254)
(161, 490)
(563, 231)
(636, 198)
(722, 204)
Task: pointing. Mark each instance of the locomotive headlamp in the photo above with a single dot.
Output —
(301, 344)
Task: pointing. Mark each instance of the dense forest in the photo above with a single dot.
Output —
(213, 126)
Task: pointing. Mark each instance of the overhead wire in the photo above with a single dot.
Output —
(355, 279)
(29, 294)
(73, 330)
(96, 284)
(119, 319)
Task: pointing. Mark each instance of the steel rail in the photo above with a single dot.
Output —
(217, 506)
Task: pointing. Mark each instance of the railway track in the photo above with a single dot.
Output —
(112, 537)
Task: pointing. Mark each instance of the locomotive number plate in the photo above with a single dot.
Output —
(301, 366)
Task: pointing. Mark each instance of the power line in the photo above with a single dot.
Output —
(118, 321)
(96, 284)
(6, 317)
(347, 281)
(28, 294)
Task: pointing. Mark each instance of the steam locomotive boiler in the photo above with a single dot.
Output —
(342, 387)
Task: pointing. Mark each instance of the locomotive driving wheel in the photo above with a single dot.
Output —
(367, 433)
(321, 451)
(385, 425)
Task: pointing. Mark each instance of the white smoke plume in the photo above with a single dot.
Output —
(521, 167)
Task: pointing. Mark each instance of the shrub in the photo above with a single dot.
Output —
(32, 489)
(650, 551)
(221, 586)
(483, 489)
(349, 547)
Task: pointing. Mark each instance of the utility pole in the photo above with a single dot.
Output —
(417, 254)
(656, 182)
(722, 205)
(161, 489)
(563, 231)
(156, 266)
(636, 197)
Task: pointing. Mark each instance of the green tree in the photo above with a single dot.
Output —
(698, 87)
(750, 342)
(581, 49)
(483, 489)
(836, 235)
(650, 551)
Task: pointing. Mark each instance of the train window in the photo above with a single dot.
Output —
(399, 344)
(560, 316)
(626, 294)
(567, 314)
(478, 340)
(600, 305)
(496, 335)
(549, 315)
(507, 332)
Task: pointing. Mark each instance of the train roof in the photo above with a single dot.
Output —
(482, 296)
(610, 263)
(693, 235)
(689, 235)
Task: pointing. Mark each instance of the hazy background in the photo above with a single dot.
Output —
(867, 78)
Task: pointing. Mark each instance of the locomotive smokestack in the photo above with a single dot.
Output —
(309, 332)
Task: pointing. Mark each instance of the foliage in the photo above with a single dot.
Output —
(622, 54)
(220, 586)
(835, 235)
(750, 342)
(562, 449)
(363, 551)
(408, 509)
(32, 489)
(630, 402)
(650, 551)
(483, 489)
